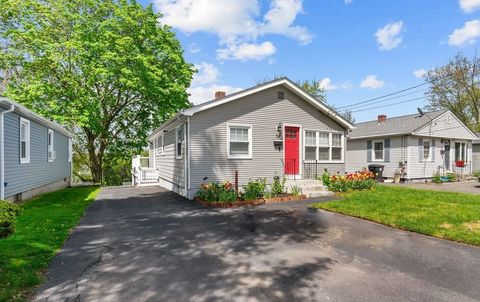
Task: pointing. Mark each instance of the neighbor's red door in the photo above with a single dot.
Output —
(292, 150)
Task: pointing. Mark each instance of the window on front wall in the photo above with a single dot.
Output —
(426, 149)
(378, 150)
(160, 144)
(179, 142)
(24, 141)
(310, 145)
(460, 151)
(323, 146)
(239, 141)
(51, 151)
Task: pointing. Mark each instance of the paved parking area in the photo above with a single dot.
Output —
(462, 187)
(146, 244)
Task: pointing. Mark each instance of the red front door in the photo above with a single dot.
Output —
(292, 150)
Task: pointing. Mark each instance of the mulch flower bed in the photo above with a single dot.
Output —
(242, 203)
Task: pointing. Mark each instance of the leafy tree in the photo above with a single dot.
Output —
(315, 88)
(456, 87)
(348, 115)
(106, 69)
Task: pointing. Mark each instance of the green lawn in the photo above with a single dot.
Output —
(453, 216)
(42, 228)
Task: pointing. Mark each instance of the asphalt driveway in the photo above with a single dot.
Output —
(146, 244)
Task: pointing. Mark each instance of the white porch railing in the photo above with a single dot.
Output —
(141, 173)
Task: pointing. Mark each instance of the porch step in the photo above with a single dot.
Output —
(310, 187)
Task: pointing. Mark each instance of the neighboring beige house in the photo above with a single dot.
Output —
(271, 129)
(423, 144)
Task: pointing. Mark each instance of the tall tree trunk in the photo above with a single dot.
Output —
(95, 161)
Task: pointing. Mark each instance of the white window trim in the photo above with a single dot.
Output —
(383, 151)
(176, 142)
(330, 146)
(70, 150)
(250, 141)
(51, 147)
(429, 158)
(25, 160)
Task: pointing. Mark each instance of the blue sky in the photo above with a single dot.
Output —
(360, 49)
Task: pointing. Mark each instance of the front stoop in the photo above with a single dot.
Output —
(311, 188)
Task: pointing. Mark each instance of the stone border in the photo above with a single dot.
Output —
(242, 203)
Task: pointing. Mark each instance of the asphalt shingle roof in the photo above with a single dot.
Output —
(395, 125)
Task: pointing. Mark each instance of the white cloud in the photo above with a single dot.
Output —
(327, 84)
(203, 94)
(347, 2)
(193, 48)
(372, 82)
(469, 6)
(246, 51)
(420, 73)
(389, 36)
(468, 34)
(207, 74)
(235, 22)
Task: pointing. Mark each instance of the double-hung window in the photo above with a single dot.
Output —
(310, 145)
(378, 153)
(323, 146)
(239, 143)
(179, 141)
(160, 144)
(24, 141)
(426, 149)
(51, 150)
(461, 151)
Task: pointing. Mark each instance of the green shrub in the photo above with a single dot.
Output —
(362, 180)
(476, 173)
(254, 189)
(278, 185)
(8, 218)
(451, 177)
(437, 179)
(326, 177)
(295, 190)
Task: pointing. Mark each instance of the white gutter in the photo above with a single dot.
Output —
(2, 151)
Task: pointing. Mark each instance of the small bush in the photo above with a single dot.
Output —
(451, 177)
(476, 173)
(278, 186)
(326, 177)
(8, 218)
(437, 179)
(295, 190)
(254, 189)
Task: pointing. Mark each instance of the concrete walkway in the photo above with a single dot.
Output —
(145, 244)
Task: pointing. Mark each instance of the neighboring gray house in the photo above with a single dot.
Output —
(424, 144)
(476, 154)
(271, 129)
(35, 153)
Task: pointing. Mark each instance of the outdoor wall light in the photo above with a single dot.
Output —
(279, 130)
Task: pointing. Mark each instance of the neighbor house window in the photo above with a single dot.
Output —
(239, 141)
(378, 150)
(179, 141)
(461, 151)
(24, 141)
(323, 146)
(426, 149)
(70, 150)
(51, 151)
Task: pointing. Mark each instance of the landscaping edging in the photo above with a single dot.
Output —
(256, 202)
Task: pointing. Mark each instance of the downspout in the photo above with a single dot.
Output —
(2, 151)
(187, 158)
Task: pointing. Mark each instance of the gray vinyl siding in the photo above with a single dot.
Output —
(446, 126)
(357, 154)
(476, 157)
(169, 168)
(22, 177)
(263, 112)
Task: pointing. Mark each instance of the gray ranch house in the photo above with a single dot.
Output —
(416, 146)
(271, 129)
(35, 153)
